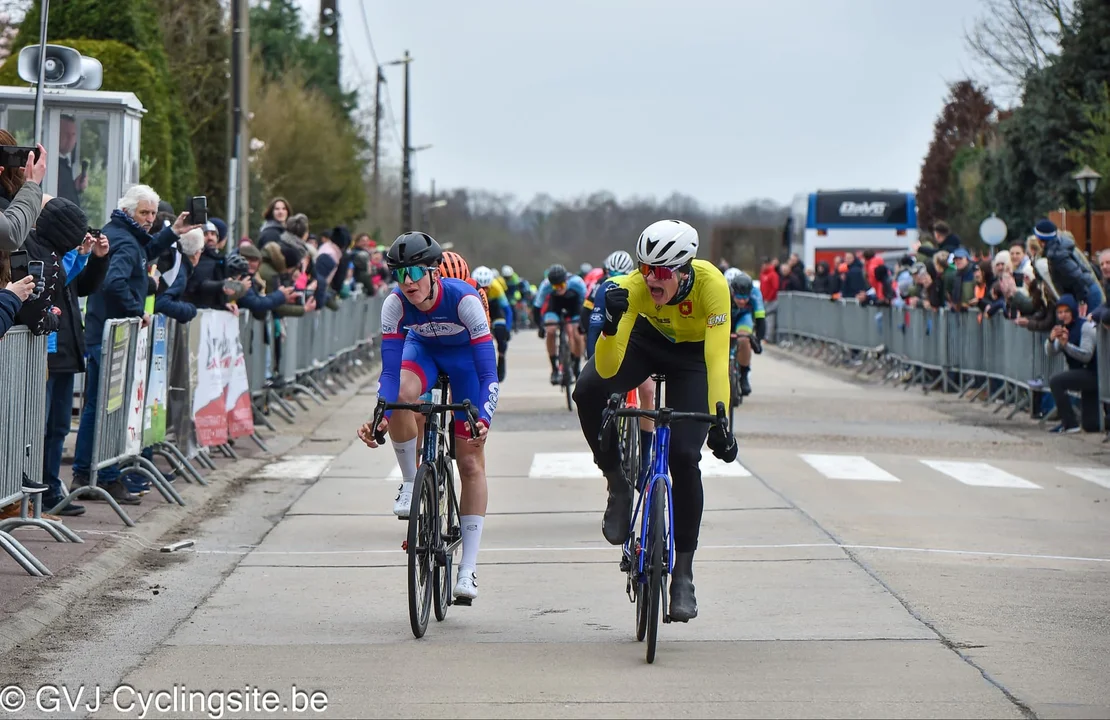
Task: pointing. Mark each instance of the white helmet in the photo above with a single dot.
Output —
(732, 272)
(483, 276)
(619, 263)
(507, 270)
(667, 243)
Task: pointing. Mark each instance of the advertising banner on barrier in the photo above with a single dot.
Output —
(117, 377)
(221, 396)
(137, 406)
(154, 415)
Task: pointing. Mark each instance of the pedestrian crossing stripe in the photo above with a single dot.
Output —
(980, 474)
(1099, 476)
(848, 467)
(581, 465)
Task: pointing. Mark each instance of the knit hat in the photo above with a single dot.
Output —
(961, 253)
(250, 252)
(1045, 230)
(221, 227)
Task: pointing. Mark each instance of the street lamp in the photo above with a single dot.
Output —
(1087, 179)
(426, 213)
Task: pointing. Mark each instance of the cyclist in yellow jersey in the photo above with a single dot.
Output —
(671, 317)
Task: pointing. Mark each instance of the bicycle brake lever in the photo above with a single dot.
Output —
(471, 419)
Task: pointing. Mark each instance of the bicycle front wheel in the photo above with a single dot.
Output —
(422, 518)
(657, 553)
(446, 519)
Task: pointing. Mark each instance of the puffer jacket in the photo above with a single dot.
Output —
(824, 282)
(205, 285)
(1038, 306)
(60, 228)
(1071, 273)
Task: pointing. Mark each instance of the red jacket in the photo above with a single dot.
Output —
(870, 270)
(769, 284)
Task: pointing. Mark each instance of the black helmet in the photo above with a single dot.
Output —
(741, 285)
(556, 274)
(412, 249)
(236, 266)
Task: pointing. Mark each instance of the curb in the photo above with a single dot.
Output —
(58, 596)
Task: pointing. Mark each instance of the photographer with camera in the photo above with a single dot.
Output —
(254, 297)
(20, 191)
(1077, 339)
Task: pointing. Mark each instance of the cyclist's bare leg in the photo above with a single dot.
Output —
(403, 430)
(472, 511)
(744, 359)
(551, 332)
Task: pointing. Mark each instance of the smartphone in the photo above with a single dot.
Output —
(15, 156)
(198, 210)
(19, 263)
(35, 268)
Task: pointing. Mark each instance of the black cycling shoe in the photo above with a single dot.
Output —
(684, 606)
(556, 377)
(618, 510)
(745, 386)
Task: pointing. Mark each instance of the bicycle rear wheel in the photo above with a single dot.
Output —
(630, 449)
(656, 557)
(564, 361)
(441, 581)
(422, 518)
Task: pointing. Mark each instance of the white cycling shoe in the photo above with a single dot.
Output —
(467, 586)
(404, 501)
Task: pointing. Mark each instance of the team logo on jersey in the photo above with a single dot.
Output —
(685, 308)
(715, 320)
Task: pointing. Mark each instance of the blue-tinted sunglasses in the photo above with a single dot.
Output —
(415, 274)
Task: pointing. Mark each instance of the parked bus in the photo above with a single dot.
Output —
(828, 223)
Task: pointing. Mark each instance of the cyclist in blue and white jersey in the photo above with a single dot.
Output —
(747, 311)
(433, 325)
(500, 313)
(560, 291)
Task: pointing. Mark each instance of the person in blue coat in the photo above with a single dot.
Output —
(122, 295)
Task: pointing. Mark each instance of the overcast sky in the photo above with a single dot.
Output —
(726, 101)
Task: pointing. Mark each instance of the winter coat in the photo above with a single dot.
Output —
(824, 282)
(169, 300)
(61, 227)
(1071, 273)
(270, 274)
(205, 286)
(856, 281)
(271, 232)
(9, 308)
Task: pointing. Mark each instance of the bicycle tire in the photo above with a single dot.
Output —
(564, 361)
(657, 552)
(420, 538)
(441, 591)
(630, 447)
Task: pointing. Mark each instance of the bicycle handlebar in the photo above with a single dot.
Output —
(426, 409)
(662, 417)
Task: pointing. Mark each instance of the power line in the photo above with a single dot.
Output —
(366, 26)
(374, 55)
(392, 120)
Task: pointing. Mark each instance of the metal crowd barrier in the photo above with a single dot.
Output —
(23, 414)
(988, 358)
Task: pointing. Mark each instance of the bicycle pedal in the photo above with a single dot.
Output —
(463, 601)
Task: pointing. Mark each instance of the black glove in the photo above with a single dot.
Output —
(40, 288)
(761, 327)
(722, 443)
(616, 303)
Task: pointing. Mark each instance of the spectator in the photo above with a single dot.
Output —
(69, 187)
(276, 215)
(963, 286)
(882, 292)
(1021, 263)
(122, 295)
(792, 281)
(279, 259)
(256, 299)
(1071, 272)
(825, 282)
(946, 239)
(21, 197)
(205, 286)
(856, 281)
(769, 281)
(173, 277)
(871, 260)
(12, 296)
(61, 228)
(1076, 339)
(1102, 313)
(330, 257)
(1037, 307)
(903, 281)
(83, 271)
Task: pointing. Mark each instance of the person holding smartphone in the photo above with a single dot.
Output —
(11, 300)
(20, 192)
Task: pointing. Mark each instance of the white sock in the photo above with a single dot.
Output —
(406, 459)
(471, 539)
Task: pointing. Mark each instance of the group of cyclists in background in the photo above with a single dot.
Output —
(656, 311)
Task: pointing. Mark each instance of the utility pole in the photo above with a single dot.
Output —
(378, 145)
(238, 186)
(329, 21)
(406, 178)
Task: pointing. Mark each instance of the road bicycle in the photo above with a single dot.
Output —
(648, 557)
(737, 397)
(434, 533)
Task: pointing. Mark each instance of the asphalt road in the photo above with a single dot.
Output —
(875, 553)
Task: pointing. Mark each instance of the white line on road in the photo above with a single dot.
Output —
(848, 467)
(581, 465)
(300, 467)
(1099, 476)
(980, 474)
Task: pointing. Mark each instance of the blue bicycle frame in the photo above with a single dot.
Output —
(658, 462)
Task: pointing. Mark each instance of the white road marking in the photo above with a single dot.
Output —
(848, 467)
(300, 467)
(1099, 476)
(581, 465)
(980, 474)
(395, 474)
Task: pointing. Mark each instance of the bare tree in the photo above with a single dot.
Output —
(1013, 37)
